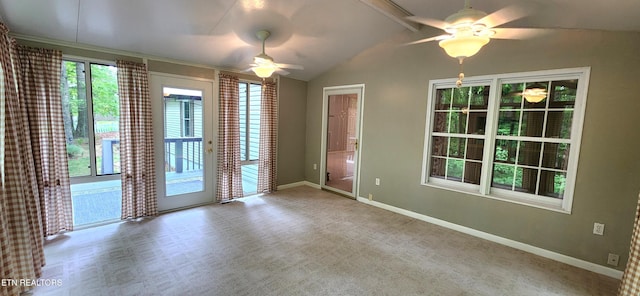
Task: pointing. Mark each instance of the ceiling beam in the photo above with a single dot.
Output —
(394, 12)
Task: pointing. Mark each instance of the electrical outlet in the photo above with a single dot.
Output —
(613, 259)
(377, 181)
(370, 196)
(315, 166)
(598, 228)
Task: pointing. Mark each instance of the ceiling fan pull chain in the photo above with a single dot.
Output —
(461, 75)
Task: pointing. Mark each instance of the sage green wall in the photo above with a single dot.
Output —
(395, 104)
(292, 111)
(179, 69)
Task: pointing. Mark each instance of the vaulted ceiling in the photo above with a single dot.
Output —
(317, 34)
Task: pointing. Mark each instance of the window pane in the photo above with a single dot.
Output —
(503, 176)
(475, 149)
(472, 172)
(532, 123)
(506, 151)
(439, 146)
(563, 94)
(255, 93)
(536, 86)
(458, 122)
(457, 147)
(74, 112)
(106, 114)
(556, 156)
(511, 96)
(526, 180)
(479, 98)
(552, 183)
(529, 153)
(441, 122)
(508, 122)
(454, 169)
(477, 123)
(243, 92)
(460, 98)
(443, 99)
(437, 167)
(559, 124)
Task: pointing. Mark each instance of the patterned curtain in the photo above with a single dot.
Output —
(39, 89)
(229, 178)
(630, 285)
(21, 230)
(136, 142)
(268, 138)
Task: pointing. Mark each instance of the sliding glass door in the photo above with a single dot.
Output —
(89, 92)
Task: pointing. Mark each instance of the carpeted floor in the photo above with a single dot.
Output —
(299, 241)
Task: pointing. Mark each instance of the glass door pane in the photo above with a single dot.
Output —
(184, 114)
(183, 148)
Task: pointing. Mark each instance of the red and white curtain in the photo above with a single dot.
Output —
(229, 177)
(630, 285)
(136, 142)
(39, 88)
(268, 138)
(35, 198)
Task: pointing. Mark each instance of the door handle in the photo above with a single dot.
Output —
(356, 145)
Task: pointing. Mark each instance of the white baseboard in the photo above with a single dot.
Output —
(614, 273)
(296, 184)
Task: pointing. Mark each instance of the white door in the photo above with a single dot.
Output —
(184, 114)
(341, 138)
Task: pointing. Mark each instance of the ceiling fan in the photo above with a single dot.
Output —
(469, 29)
(263, 65)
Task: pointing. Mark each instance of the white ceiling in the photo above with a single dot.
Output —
(317, 34)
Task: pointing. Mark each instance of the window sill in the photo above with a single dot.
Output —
(500, 195)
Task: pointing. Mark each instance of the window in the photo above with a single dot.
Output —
(91, 118)
(250, 96)
(187, 114)
(513, 137)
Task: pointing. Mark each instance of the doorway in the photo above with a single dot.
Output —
(183, 121)
(341, 134)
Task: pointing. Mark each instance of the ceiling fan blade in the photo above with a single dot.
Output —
(518, 33)
(503, 16)
(290, 66)
(435, 38)
(282, 72)
(428, 21)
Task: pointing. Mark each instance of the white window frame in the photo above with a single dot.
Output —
(484, 189)
(247, 98)
(187, 116)
(93, 157)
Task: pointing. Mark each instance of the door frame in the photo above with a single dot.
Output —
(209, 116)
(340, 90)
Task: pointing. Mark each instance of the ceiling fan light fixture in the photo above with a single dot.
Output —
(264, 71)
(461, 47)
(534, 95)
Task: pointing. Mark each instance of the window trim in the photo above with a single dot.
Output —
(484, 189)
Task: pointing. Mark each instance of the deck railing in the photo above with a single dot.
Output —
(180, 154)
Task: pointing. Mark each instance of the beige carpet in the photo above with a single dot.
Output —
(299, 241)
